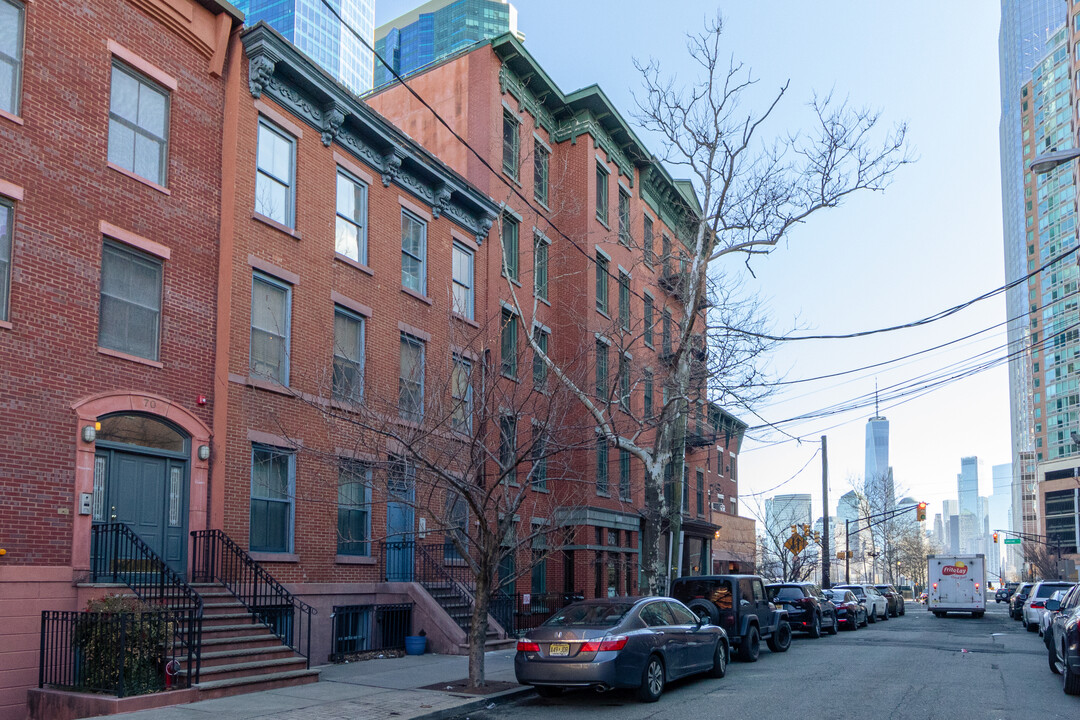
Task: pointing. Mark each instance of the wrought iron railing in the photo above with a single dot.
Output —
(361, 628)
(525, 616)
(118, 555)
(122, 654)
(216, 558)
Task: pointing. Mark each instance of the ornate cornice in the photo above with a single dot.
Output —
(278, 71)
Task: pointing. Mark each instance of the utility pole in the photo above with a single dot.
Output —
(847, 552)
(826, 556)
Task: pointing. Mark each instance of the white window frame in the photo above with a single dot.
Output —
(467, 284)
(289, 183)
(358, 221)
(422, 258)
(145, 84)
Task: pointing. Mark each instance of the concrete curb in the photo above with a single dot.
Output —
(478, 704)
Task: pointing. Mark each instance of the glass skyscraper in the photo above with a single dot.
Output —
(437, 29)
(313, 28)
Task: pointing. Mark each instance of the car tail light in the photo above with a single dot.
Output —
(607, 644)
(527, 646)
(1037, 604)
(935, 586)
(976, 587)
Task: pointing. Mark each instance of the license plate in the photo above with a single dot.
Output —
(559, 649)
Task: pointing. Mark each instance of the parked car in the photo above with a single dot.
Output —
(1063, 642)
(627, 642)
(896, 600)
(1036, 601)
(876, 604)
(738, 604)
(849, 613)
(807, 607)
(1005, 591)
(1016, 600)
(1047, 615)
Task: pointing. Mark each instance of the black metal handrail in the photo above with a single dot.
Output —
(118, 554)
(121, 653)
(218, 559)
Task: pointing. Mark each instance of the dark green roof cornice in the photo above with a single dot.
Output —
(280, 71)
(590, 111)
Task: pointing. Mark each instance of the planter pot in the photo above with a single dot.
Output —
(415, 644)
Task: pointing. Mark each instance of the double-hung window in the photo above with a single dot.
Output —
(269, 353)
(461, 393)
(130, 305)
(463, 281)
(700, 492)
(457, 523)
(138, 124)
(602, 282)
(413, 253)
(273, 474)
(11, 54)
(508, 344)
(648, 320)
(624, 301)
(350, 233)
(624, 475)
(601, 193)
(275, 192)
(538, 475)
(601, 369)
(348, 355)
(354, 508)
(540, 370)
(624, 382)
(7, 217)
(510, 228)
(508, 447)
(647, 383)
(602, 487)
(624, 218)
(541, 165)
(511, 143)
(540, 266)
(647, 241)
(411, 379)
(665, 332)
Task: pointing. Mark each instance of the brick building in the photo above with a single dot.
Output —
(110, 145)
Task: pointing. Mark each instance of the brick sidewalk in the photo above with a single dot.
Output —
(358, 691)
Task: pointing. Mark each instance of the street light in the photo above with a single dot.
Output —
(1049, 161)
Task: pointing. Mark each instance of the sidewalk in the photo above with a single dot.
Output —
(360, 690)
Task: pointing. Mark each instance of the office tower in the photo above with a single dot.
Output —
(332, 43)
(847, 508)
(436, 29)
(1001, 516)
(938, 534)
(878, 474)
(782, 511)
(967, 492)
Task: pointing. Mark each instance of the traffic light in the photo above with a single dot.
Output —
(806, 529)
(817, 536)
(920, 512)
(995, 538)
(794, 530)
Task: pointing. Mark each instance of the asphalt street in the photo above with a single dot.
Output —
(915, 666)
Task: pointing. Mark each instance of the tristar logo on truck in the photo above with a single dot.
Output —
(958, 569)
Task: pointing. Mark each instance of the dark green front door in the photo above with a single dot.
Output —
(148, 493)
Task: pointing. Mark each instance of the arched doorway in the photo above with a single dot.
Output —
(141, 478)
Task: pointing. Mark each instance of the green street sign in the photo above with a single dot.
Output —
(1012, 541)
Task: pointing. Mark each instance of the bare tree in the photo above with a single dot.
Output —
(750, 195)
(1043, 560)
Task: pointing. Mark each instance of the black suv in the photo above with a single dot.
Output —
(1004, 592)
(738, 604)
(807, 607)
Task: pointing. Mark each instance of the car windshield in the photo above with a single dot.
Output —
(589, 614)
(836, 596)
(784, 593)
(857, 590)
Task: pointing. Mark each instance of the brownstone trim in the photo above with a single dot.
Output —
(265, 438)
(278, 118)
(353, 263)
(460, 237)
(355, 559)
(128, 356)
(271, 269)
(136, 241)
(138, 63)
(149, 183)
(415, 332)
(418, 296)
(350, 304)
(13, 118)
(354, 168)
(276, 225)
(11, 190)
(414, 208)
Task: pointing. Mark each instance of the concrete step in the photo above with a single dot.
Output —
(228, 618)
(250, 669)
(235, 630)
(231, 656)
(263, 640)
(211, 689)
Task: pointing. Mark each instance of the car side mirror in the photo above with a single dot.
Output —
(700, 622)
(862, 601)
(1053, 605)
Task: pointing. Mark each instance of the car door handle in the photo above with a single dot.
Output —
(659, 632)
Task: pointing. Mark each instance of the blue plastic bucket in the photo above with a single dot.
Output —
(415, 644)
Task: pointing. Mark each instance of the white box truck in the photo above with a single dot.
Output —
(957, 584)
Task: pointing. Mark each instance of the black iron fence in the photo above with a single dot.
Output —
(361, 628)
(120, 654)
(216, 558)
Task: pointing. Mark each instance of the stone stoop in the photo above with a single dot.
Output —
(461, 613)
(239, 653)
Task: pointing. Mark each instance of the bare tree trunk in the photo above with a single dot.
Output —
(478, 626)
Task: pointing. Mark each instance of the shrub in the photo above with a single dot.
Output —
(121, 634)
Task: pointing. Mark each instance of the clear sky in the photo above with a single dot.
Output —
(931, 241)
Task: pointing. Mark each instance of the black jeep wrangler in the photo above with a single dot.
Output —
(738, 604)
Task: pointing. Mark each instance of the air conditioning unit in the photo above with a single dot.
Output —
(719, 507)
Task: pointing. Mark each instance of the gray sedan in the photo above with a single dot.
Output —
(627, 642)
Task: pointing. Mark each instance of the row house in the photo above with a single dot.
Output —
(111, 115)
